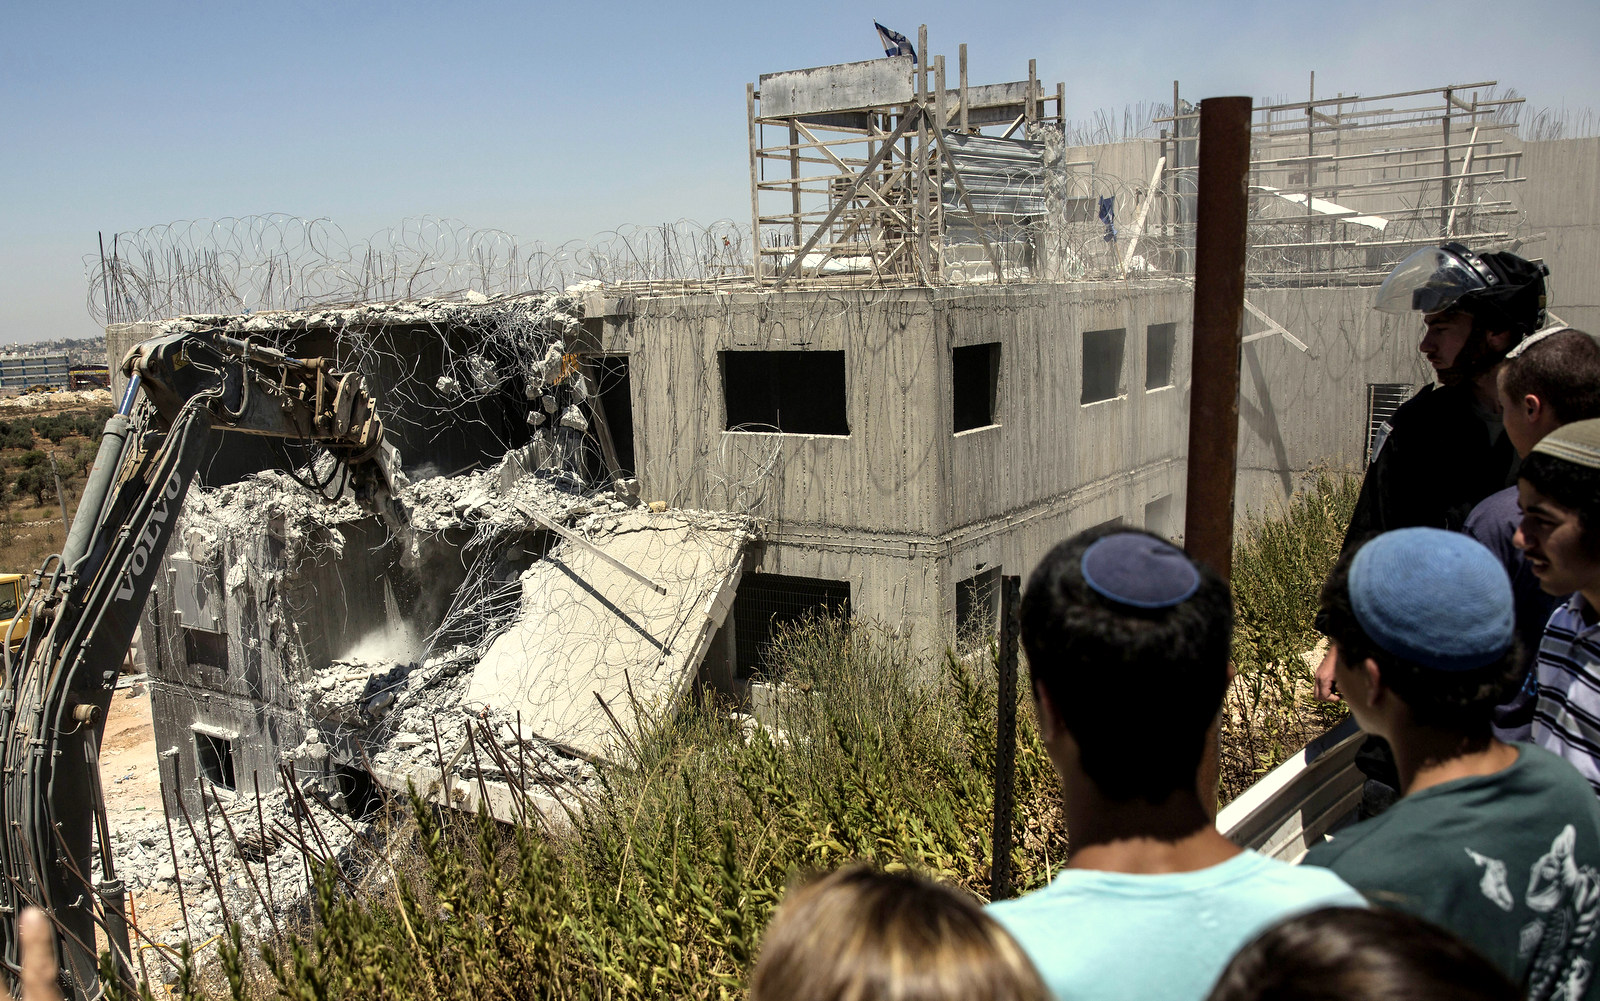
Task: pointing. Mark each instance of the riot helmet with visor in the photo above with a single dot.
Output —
(1504, 291)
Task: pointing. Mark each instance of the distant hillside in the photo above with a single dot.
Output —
(82, 350)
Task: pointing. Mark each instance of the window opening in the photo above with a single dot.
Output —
(1102, 365)
(215, 757)
(203, 647)
(616, 402)
(975, 376)
(1159, 339)
(767, 601)
(1158, 517)
(978, 605)
(10, 599)
(362, 796)
(795, 392)
(1383, 399)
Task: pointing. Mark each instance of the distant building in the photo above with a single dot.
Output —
(89, 377)
(20, 373)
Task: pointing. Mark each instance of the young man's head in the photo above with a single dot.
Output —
(1558, 489)
(1128, 643)
(1550, 379)
(1423, 632)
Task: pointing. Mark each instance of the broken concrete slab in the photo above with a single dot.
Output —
(509, 802)
(596, 652)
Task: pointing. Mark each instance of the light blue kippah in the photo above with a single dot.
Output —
(1435, 598)
(1134, 569)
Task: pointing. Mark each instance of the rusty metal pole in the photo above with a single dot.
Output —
(1222, 210)
(1219, 244)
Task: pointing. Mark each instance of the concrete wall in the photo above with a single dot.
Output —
(1116, 164)
(888, 462)
(1561, 197)
(904, 507)
(1299, 411)
(1046, 442)
(1053, 465)
(284, 616)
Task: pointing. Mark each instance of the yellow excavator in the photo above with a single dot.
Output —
(13, 619)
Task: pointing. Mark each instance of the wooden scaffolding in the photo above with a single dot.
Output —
(869, 172)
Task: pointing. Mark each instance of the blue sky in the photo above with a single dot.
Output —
(559, 122)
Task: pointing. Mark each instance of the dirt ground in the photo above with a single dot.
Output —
(130, 775)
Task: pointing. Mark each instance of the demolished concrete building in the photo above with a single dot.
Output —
(948, 349)
(295, 628)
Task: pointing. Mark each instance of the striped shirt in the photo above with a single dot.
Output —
(1566, 721)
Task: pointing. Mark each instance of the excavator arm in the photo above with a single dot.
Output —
(86, 603)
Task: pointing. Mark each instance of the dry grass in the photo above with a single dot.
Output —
(672, 873)
(670, 877)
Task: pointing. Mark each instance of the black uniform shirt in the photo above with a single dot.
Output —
(1436, 464)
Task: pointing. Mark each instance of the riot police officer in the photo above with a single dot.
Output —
(1445, 449)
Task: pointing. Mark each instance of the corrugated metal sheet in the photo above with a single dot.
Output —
(1004, 177)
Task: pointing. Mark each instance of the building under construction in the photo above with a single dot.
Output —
(954, 333)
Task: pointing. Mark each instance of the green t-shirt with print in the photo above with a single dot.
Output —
(1510, 862)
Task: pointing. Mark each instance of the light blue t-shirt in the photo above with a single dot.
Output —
(1115, 935)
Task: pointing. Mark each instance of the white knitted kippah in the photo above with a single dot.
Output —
(1577, 443)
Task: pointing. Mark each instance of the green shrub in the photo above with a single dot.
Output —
(90, 425)
(1279, 565)
(665, 882)
(16, 435)
(35, 480)
(54, 427)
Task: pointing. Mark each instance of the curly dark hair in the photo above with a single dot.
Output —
(1461, 701)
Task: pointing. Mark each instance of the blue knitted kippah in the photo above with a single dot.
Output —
(1435, 598)
(1134, 569)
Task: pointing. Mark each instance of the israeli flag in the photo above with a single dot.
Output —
(894, 43)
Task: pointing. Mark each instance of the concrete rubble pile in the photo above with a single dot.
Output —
(521, 688)
(402, 708)
(491, 653)
(306, 524)
(263, 864)
(58, 399)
